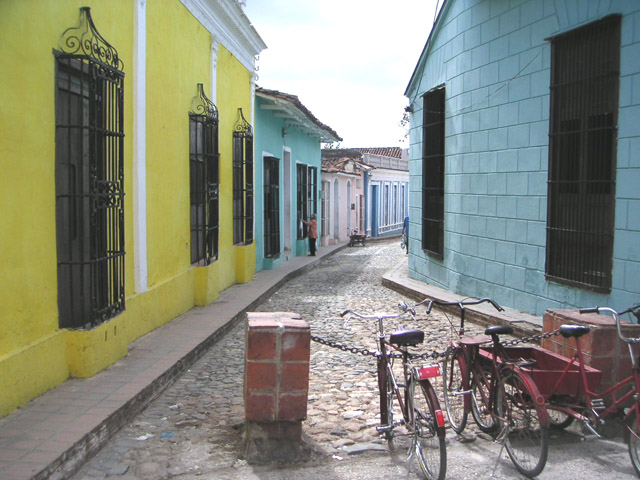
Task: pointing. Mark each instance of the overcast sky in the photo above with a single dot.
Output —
(349, 61)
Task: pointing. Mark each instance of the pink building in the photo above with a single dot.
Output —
(343, 195)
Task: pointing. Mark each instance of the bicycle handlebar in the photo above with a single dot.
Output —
(616, 317)
(461, 304)
(377, 317)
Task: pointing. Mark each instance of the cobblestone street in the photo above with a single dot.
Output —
(193, 430)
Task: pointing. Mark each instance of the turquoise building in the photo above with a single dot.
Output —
(524, 164)
(288, 163)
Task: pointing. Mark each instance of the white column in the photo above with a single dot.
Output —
(139, 147)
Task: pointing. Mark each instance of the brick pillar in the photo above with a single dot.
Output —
(602, 348)
(276, 385)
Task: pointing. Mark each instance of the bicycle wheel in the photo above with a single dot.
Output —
(480, 399)
(455, 379)
(559, 420)
(634, 444)
(385, 387)
(429, 441)
(525, 438)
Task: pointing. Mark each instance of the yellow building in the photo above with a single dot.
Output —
(126, 193)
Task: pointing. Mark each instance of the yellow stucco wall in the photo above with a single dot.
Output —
(35, 355)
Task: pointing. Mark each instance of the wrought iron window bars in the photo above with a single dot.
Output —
(242, 181)
(204, 178)
(89, 177)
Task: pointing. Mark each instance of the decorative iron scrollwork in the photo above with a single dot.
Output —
(86, 40)
(201, 105)
(242, 126)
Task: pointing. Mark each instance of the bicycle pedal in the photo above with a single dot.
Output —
(597, 403)
(592, 430)
(384, 428)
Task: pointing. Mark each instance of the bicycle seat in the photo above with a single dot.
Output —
(499, 330)
(575, 331)
(479, 340)
(407, 338)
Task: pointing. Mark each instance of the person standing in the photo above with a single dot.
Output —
(313, 234)
(405, 232)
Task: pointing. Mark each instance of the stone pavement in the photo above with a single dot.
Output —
(193, 428)
(54, 434)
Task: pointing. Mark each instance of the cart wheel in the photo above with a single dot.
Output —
(559, 420)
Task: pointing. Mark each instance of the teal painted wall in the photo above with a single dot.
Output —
(305, 149)
(494, 61)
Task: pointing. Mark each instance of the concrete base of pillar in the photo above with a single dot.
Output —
(273, 442)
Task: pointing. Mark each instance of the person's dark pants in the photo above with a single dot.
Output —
(312, 247)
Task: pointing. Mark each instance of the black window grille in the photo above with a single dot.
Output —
(242, 182)
(301, 194)
(433, 172)
(307, 204)
(204, 179)
(585, 74)
(271, 207)
(89, 177)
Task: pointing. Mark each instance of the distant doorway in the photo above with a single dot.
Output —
(348, 208)
(336, 209)
(374, 210)
(287, 198)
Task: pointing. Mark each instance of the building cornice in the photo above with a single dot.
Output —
(227, 22)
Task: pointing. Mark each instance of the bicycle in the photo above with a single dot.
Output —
(480, 377)
(569, 395)
(416, 397)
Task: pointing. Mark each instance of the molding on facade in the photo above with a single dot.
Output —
(231, 27)
(140, 273)
(213, 89)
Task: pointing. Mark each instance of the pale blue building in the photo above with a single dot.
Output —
(288, 163)
(525, 153)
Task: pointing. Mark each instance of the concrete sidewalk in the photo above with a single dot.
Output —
(523, 324)
(54, 434)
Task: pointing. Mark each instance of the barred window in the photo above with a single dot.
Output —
(585, 74)
(242, 182)
(204, 179)
(271, 207)
(306, 195)
(433, 172)
(89, 93)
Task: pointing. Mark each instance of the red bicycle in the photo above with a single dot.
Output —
(567, 385)
(482, 377)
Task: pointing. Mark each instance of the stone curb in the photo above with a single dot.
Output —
(523, 324)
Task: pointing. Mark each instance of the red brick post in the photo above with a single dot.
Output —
(276, 384)
(602, 348)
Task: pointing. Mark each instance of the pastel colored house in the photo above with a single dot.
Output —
(343, 195)
(288, 175)
(387, 189)
(524, 153)
(128, 179)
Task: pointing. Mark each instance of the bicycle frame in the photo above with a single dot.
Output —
(385, 371)
(420, 408)
(591, 397)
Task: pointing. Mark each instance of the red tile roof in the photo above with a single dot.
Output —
(394, 152)
(333, 160)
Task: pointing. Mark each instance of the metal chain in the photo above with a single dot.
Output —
(427, 356)
(330, 343)
(366, 352)
(533, 338)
